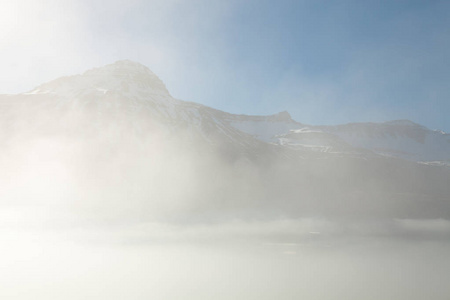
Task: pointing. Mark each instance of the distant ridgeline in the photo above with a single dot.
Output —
(120, 145)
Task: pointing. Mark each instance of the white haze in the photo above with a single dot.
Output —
(43, 264)
(89, 209)
(114, 216)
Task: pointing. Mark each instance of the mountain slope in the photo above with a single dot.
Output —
(402, 139)
(117, 144)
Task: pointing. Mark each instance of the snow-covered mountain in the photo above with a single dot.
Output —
(401, 138)
(126, 90)
(118, 134)
(132, 88)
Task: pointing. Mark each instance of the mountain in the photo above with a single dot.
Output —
(114, 142)
(401, 138)
(131, 87)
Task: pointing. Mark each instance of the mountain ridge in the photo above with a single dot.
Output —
(114, 83)
(142, 148)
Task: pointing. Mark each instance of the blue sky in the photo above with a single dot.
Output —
(326, 62)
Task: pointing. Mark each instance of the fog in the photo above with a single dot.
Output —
(53, 265)
(110, 188)
(105, 203)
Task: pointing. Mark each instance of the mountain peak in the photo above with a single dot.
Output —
(402, 123)
(123, 76)
(282, 116)
(122, 67)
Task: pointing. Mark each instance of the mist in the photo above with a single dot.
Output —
(113, 191)
(113, 188)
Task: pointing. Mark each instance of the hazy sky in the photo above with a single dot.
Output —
(325, 62)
